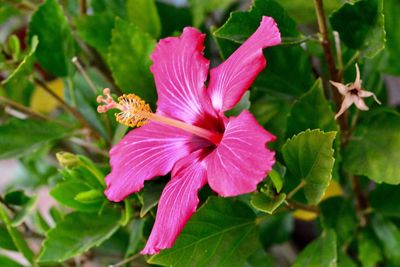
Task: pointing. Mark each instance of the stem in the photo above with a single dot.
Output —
(6, 204)
(296, 189)
(362, 201)
(65, 106)
(333, 72)
(295, 205)
(84, 74)
(125, 261)
(82, 7)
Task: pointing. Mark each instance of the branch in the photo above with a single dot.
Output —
(333, 71)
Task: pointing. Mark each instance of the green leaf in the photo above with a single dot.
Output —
(16, 197)
(151, 195)
(7, 262)
(200, 8)
(5, 239)
(389, 237)
(361, 26)
(78, 233)
(66, 193)
(26, 64)
(173, 18)
(269, 235)
(135, 236)
(143, 14)
(260, 258)
(129, 60)
(276, 175)
(309, 158)
(88, 29)
(339, 214)
(374, 149)
(241, 25)
(369, 250)
(391, 64)
(321, 252)
(266, 203)
(16, 236)
(385, 199)
(56, 45)
(13, 141)
(90, 196)
(311, 111)
(221, 233)
(25, 211)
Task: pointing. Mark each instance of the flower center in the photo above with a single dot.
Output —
(135, 112)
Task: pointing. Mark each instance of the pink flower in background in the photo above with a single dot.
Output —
(353, 93)
(189, 134)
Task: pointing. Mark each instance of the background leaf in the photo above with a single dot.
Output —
(373, 151)
(129, 60)
(143, 14)
(309, 157)
(221, 233)
(77, 233)
(56, 46)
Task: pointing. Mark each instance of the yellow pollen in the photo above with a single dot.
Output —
(133, 110)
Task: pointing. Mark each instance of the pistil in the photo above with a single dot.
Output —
(135, 112)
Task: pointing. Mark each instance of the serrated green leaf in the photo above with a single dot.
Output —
(78, 233)
(361, 26)
(311, 111)
(13, 141)
(309, 158)
(56, 45)
(390, 62)
(339, 214)
(369, 250)
(241, 25)
(88, 29)
(389, 238)
(221, 233)
(26, 64)
(385, 199)
(16, 236)
(129, 60)
(143, 14)
(266, 203)
(321, 252)
(374, 149)
(66, 193)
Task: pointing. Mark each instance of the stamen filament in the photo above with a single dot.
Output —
(135, 112)
(213, 137)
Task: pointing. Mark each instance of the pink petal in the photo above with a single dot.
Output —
(177, 203)
(232, 78)
(241, 160)
(360, 104)
(364, 93)
(347, 101)
(144, 153)
(343, 89)
(357, 82)
(180, 71)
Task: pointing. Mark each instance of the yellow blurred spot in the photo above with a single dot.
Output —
(42, 101)
(333, 190)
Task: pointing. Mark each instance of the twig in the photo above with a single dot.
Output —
(89, 146)
(84, 74)
(296, 189)
(125, 261)
(83, 7)
(362, 201)
(333, 71)
(6, 204)
(67, 107)
(295, 205)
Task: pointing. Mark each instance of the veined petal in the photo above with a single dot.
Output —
(241, 160)
(144, 153)
(233, 77)
(180, 71)
(177, 203)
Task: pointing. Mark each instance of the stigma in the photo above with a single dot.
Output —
(134, 111)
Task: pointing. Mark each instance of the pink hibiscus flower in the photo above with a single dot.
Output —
(189, 134)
